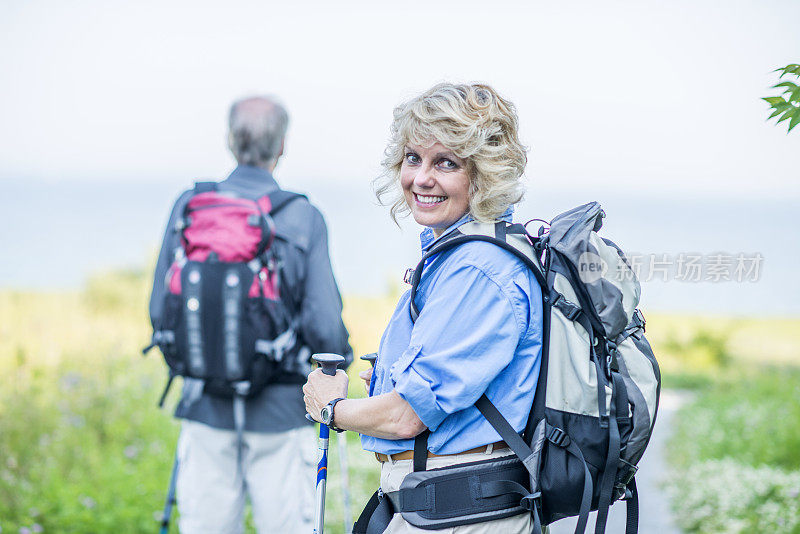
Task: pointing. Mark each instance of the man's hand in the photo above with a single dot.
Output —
(366, 376)
(320, 389)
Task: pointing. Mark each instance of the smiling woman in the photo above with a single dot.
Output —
(454, 157)
(473, 129)
(435, 185)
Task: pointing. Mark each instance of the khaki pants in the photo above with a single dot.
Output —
(279, 477)
(393, 473)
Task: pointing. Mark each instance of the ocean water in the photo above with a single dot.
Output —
(55, 235)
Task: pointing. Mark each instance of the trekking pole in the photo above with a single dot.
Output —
(328, 363)
(170, 502)
(345, 477)
(347, 514)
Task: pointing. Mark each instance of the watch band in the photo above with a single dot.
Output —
(331, 425)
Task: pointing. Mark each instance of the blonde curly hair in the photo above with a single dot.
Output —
(479, 126)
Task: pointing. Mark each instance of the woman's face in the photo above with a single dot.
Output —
(435, 184)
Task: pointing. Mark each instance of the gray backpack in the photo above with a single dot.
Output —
(597, 395)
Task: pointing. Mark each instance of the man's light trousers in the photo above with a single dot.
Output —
(279, 475)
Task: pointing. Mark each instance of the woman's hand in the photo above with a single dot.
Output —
(366, 376)
(320, 389)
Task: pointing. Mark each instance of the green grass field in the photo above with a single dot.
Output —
(83, 447)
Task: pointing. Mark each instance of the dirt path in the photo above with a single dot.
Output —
(654, 512)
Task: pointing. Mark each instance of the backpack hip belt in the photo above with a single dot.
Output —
(456, 495)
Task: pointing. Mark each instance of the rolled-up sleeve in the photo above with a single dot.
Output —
(466, 333)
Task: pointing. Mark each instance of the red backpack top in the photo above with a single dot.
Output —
(224, 320)
(235, 229)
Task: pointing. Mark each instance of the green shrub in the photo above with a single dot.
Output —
(736, 452)
(83, 446)
(727, 496)
(705, 350)
(85, 449)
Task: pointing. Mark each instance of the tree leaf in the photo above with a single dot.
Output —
(774, 100)
(777, 112)
(795, 96)
(790, 68)
(788, 114)
(794, 121)
(790, 85)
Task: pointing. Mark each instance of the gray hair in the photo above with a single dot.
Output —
(257, 126)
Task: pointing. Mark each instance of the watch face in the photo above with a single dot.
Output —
(325, 413)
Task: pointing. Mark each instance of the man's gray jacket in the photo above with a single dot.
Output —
(309, 282)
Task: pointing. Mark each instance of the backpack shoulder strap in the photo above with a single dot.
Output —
(280, 199)
(510, 237)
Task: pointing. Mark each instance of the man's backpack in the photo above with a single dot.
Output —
(599, 383)
(225, 320)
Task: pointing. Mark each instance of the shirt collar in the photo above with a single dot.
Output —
(427, 239)
(248, 175)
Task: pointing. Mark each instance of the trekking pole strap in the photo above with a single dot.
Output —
(242, 389)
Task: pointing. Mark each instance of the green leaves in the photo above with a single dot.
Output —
(792, 68)
(786, 106)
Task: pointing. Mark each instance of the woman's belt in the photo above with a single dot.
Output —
(409, 455)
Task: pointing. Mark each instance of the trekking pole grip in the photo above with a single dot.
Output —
(371, 357)
(328, 362)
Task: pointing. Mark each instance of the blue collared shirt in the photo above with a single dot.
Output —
(479, 331)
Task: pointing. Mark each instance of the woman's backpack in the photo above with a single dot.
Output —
(598, 389)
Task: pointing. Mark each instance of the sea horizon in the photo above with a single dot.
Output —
(54, 235)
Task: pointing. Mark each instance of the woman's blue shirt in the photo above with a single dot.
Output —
(479, 330)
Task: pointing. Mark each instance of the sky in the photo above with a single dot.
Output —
(652, 95)
(648, 104)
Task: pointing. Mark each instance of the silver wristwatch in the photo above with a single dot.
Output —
(327, 415)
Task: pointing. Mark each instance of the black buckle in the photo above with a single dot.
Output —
(573, 313)
(558, 437)
(531, 501)
(622, 483)
(408, 276)
(612, 364)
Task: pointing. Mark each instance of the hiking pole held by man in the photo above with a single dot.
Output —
(170, 501)
(328, 364)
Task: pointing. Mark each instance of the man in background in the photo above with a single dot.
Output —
(273, 460)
